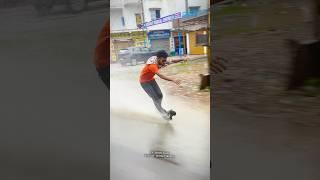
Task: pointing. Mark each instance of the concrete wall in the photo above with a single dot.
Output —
(170, 7)
(204, 4)
(116, 4)
(193, 48)
(115, 19)
(165, 10)
(167, 7)
(129, 12)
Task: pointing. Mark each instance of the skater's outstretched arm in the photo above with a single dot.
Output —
(168, 78)
(176, 61)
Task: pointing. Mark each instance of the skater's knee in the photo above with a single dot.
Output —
(159, 96)
(157, 101)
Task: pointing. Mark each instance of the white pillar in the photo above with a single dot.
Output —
(205, 48)
(172, 46)
(188, 43)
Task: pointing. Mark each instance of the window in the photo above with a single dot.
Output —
(137, 49)
(138, 19)
(122, 21)
(145, 50)
(201, 39)
(155, 14)
(194, 9)
(123, 51)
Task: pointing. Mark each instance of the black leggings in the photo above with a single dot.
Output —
(153, 90)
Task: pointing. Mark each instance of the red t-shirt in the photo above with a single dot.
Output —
(148, 72)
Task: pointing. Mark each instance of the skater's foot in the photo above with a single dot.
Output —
(166, 116)
(171, 113)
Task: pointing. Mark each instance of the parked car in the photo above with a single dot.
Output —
(43, 7)
(134, 55)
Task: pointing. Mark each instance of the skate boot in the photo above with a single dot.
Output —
(171, 113)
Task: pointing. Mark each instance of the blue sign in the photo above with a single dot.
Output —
(194, 13)
(161, 20)
(159, 34)
(189, 14)
(172, 17)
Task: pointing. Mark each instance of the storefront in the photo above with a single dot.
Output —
(180, 42)
(197, 41)
(117, 44)
(194, 30)
(160, 40)
(121, 40)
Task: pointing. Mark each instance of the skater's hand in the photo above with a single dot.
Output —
(177, 81)
(165, 65)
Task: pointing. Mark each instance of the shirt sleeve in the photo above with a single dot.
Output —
(154, 68)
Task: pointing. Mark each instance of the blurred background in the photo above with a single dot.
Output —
(266, 103)
(53, 105)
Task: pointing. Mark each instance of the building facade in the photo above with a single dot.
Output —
(127, 15)
(193, 27)
(177, 42)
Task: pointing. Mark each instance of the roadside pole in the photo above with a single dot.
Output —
(146, 42)
(179, 42)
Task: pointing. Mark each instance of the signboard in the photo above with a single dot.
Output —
(159, 34)
(172, 17)
(134, 34)
(162, 20)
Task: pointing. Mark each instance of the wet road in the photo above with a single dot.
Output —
(137, 129)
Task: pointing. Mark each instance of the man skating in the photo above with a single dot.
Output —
(149, 84)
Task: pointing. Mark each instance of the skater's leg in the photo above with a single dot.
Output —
(158, 94)
(153, 90)
(157, 103)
